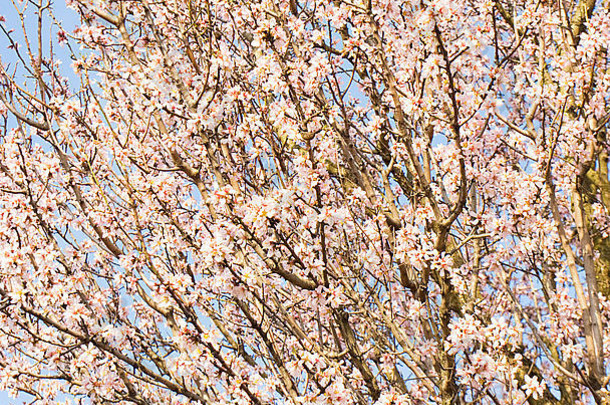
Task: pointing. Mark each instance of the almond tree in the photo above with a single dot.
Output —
(306, 202)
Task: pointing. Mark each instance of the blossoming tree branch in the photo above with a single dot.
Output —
(306, 202)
